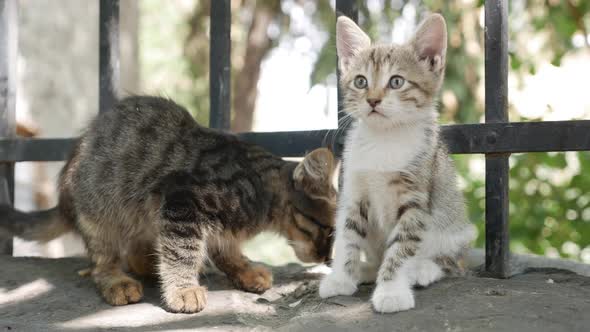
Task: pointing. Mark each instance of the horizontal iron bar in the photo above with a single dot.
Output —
(292, 143)
(512, 137)
(517, 137)
(36, 149)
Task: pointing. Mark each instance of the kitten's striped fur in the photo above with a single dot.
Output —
(148, 188)
(399, 204)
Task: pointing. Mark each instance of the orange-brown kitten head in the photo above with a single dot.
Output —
(312, 199)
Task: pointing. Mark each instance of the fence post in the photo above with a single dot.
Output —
(8, 54)
(108, 54)
(496, 99)
(220, 65)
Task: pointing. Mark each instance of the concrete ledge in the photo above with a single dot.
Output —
(521, 263)
(48, 295)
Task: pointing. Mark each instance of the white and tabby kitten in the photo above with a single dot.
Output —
(399, 205)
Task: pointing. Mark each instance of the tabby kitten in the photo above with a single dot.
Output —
(399, 205)
(147, 182)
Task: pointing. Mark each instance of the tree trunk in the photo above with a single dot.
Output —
(246, 81)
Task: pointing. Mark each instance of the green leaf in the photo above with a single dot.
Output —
(515, 62)
(326, 63)
(556, 60)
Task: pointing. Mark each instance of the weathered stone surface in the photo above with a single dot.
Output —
(48, 295)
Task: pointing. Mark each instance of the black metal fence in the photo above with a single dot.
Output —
(497, 138)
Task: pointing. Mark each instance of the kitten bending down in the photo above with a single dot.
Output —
(399, 204)
(147, 183)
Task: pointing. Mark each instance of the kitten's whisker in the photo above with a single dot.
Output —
(343, 122)
(341, 128)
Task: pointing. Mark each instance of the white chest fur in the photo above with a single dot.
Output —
(370, 160)
(382, 151)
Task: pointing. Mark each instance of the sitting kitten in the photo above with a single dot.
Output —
(399, 204)
(146, 182)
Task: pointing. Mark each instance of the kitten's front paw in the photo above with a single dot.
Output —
(256, 280)
(187, 300)
(122, 291)
(425, 272)
(336, 284)
(392, 297)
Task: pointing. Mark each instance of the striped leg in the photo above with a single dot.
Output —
(181, 251)
(180, 260)
(228, 258)
(346, 267)
(393, 292)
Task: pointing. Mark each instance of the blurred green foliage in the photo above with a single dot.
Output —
(164, 69)
(549, 199)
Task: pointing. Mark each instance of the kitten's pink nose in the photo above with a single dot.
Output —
(373, 102)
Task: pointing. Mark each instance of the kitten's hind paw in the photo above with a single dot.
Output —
(336, 284)
(187, 300)
(392, 297)
(122, 290)
(257, 279)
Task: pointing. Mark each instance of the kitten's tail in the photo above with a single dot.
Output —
(41, 226)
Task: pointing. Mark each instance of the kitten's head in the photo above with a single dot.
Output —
(390, 85)
(312, 201)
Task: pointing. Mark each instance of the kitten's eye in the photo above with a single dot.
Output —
(360, 82)
(396, 82)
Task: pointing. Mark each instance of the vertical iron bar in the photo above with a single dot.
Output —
(347, 8)
(220, 65)
(8, 54)
(108, 54)
(496, 99)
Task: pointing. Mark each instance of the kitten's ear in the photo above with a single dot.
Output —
(430, 41)
(316, 170)
(350, 39)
